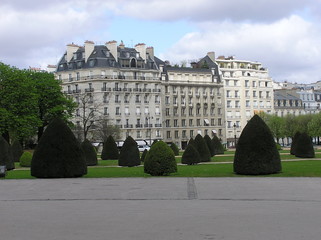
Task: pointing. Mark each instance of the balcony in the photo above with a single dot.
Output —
(139, 125)
(117, 89)
(158, 125)
(89, 89)
(128, 126)
(76, 91)
(146, 125)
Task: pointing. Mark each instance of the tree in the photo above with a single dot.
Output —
(90, 153)
(175, 149)
(129, 154)
(202, 148)
(218, 147)
(104, 128)
(276, 124)
(191, 155)
(51, 102)
(6, 158)
(314, 128)
(209, 144)
(110, 150)
(17, 151)
(256, 151)
(25, 159)
(160, 160)
(58, 154)
(304, 147)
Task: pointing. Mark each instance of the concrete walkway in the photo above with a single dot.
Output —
(161, 208)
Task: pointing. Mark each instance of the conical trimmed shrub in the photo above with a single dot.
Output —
(209, 144)
(142, 158)
(17, 151)
(58, 154)
(256, 151)
(218, 146)
(6, 158)
(294, 143)
(110, 150)
(304, 146)
(191, 155)
(25, 159)
(175, 149)
(160, 160)
(202, 148)
(129, 153)
(90, 153)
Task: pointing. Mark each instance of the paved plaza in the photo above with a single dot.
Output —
(161, 209)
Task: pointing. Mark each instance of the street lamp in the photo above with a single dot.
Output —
(234, 126)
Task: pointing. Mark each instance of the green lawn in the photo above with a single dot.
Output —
(310, 168)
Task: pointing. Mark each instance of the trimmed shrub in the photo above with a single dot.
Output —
(278, 147)
(25, 159)
(191, 141)
(89, 152)
(209, 144)
(202, 148)
(294, 143)
(304, 147)
(218, 146)
(175, 149)
(142, 158)
(6, 158)
(129, 153)
(155, 141)
(17, 151)
(58, 154)
(110, 150)
(160, 160)
(191, 155)
(256, 151)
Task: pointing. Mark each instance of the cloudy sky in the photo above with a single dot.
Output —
(284, 35)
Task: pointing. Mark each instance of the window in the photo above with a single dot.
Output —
(176, 134)
(247, 103)
(168, 134)
(183, 122)
(167, 101)
(167, 123)
(175, 123)
(167, 112)
(190, 122)
(191, 133)
(198, 122)
(106, 111)
(117, 110)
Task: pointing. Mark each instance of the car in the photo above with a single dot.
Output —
(142, 148)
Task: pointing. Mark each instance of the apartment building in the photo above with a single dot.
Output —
(248, 90)
(145, 97)
(287, 102)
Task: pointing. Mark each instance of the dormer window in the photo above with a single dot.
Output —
(75, 56)
(127, 54)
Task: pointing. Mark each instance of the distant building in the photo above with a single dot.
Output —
(287, 102)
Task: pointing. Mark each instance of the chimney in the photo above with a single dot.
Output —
(150, 52)
(89, 48)
(122, 45)
(71, 49)
(211, 55)
(112, 47)
(141, 48)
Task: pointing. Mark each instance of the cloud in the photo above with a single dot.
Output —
(287, 47)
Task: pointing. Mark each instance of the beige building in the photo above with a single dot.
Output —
(248, 90)
(141, 94)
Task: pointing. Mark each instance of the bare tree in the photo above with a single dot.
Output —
(105, 128)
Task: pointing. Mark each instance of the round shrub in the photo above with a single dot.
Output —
(129, 154)
(17, 151)
(110, 150)
(58, 154)
(191, 155)
(25, 159)
(202, 148)
(256, 151)
(209, 144)
(304, 147)
(160, 160)
(90, 153)
(218, 146)
(175, 149)
(6, 158)
(142, 158)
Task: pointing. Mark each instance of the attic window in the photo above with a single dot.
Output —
(133, 63)
(75, 56)
(91, 63)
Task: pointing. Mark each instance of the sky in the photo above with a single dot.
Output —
(284, 35)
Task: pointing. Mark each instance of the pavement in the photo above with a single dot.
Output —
(161, 209)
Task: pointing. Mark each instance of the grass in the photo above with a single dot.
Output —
(308, 168)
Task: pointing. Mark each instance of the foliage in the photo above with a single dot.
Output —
(104, 128)
(202, 148)
(142, 158)
(294, 142)
(191, 155)
(314, 126)
(6, 158)
(278, 147)
(304, 147)
(218, 146)
(25, 159)
(110, 150)
(160, 160)
(58, 154)
(175, 149)
(129, 153)
(17, 151)
(155, 141)
(209, 144)
(256, 151)
(276, 125)
(90, 153)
